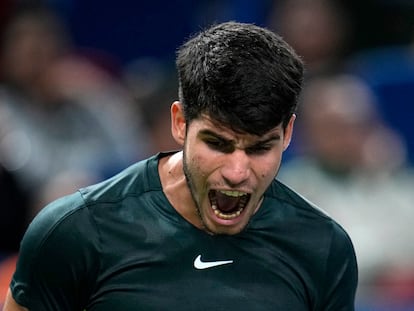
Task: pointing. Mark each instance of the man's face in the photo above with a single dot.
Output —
(228, 172)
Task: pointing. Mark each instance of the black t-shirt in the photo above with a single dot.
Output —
(120, 245)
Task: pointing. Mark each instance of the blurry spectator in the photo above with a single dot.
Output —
(389, 71)
(384, 58)
(64, 121)
(154, 86)
(353, 166)
(340, 125)
(319, 31)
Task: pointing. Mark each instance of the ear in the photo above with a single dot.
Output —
(178, 124)
(287, 136)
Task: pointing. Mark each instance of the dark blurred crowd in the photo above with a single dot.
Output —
(85, 91)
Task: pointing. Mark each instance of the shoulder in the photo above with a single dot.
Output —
(56, 244)
(135, 180)
(306, 219)
(57, 225)
(315, 238)
(71, 220)
(60, 250)
(291, 199)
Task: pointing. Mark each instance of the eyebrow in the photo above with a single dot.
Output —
(273, 137)
(207, 132)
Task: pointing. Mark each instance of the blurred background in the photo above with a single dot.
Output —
(86, 85)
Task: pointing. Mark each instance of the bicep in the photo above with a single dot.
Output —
(11, 304)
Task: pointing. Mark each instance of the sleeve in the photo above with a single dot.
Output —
(341, 276)
(59, 258)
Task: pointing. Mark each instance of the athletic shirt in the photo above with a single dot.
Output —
(120, 245)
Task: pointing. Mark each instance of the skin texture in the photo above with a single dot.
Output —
(217, 158)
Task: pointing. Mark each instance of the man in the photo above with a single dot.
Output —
(207, 228)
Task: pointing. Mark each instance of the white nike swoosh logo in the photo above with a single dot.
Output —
(200, 265)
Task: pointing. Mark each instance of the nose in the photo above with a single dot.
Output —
(236, 168)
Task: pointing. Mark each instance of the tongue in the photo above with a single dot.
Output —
(226, 203)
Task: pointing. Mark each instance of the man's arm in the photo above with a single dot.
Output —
(11, 304)
(341, 274)
(58, 260)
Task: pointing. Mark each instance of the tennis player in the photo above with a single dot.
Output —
(208, 227)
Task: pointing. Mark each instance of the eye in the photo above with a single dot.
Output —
(219, 145)
(259, 149)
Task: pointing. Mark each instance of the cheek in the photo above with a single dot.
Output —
(198, 164)
(269, 168)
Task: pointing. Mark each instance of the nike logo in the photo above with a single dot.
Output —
(200, 265)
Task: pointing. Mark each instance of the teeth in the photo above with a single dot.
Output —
(234, 214)
(227, 216)
(233, 193)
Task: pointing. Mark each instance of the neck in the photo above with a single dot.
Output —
(175, 188)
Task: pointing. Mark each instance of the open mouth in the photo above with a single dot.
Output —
(228, 204)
